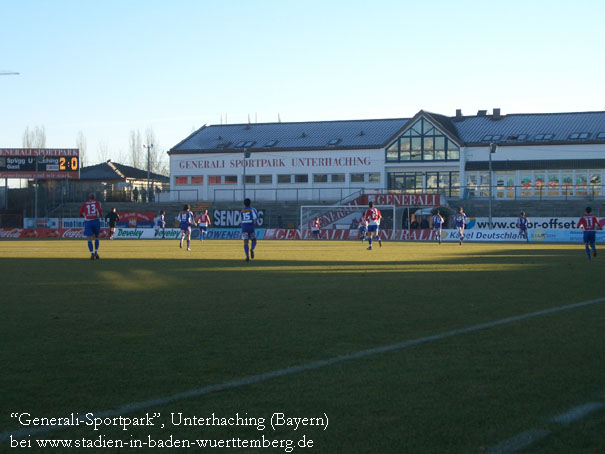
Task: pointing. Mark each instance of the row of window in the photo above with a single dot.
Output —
(373, 177)
(542, 137)
(447, 182)
(521, 183)
(536, 183)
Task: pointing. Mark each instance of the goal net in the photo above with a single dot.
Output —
(341, 217)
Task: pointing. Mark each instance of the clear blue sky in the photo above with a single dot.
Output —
(108, 67)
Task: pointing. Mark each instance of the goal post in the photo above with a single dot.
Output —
(341, 217)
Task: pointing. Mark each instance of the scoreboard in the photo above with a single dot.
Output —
(43, 163)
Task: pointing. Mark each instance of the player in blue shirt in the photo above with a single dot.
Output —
(437, 225)
(186, 221)
(522, 224)
(249, 216)
(460, 219)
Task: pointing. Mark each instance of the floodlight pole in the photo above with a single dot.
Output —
(149, 147)
(36, 191)
(492, 149)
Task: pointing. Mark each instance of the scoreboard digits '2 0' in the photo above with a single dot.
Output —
(44, 163)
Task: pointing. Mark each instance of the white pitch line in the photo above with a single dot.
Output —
(576, 413)
(254, 379)
(529, 437)
(521, 441)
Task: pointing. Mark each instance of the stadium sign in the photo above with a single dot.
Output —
(565, 223)
(43, 163)
(406, 200)
(231, 218)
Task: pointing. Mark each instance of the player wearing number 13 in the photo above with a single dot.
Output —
(590, 224)
(91, 211)
(249, 216)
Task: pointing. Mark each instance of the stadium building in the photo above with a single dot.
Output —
(536, 156)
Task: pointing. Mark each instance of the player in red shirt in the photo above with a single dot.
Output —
(590, 224)
(203, 222)
(91, 211)
(315, 225)
(373, 216)
(363, 228)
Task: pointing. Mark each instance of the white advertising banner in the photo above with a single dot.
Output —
(41, 223)
(534, 223)
(77, 223)
(175, 234)
(535, 235)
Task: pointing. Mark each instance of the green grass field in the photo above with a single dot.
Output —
(151, 321)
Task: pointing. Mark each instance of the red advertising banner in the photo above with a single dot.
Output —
(43, 163)
(339, 234)
(46, 233)
(406, 200)
(134, 218)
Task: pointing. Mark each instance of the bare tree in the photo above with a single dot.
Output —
(81, 144)
(122, 156)
(135, 148)
(103, 151)
(35, 137)
(157, 155)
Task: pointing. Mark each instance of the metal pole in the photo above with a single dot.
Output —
(490, 190)
(492, 149)
(36, 191)
(244, 180)
(246, 155)
(149, 147)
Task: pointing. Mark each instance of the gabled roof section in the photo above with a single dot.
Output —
(441, 122)
(114, 171)
(473, 131)
(320, 135)
(445, 124)
(524, 129)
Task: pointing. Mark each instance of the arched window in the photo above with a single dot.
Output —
(423, 142)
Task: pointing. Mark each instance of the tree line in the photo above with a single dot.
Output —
(136, 156)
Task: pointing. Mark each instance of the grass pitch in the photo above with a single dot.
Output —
(150, 320)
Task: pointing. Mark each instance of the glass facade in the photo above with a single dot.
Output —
(536, 183)
(422, 142)
(447, 183)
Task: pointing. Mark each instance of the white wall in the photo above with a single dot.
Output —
(274, 163)
(537, 152)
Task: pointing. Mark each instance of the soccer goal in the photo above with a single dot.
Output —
(343, 217)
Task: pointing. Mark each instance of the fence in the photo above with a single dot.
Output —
(528, 192)
(48, 198)
(286, 194)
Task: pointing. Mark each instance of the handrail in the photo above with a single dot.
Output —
(350, 197)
